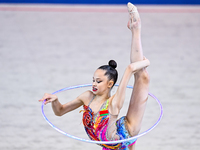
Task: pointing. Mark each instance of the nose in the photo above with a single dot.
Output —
(94, 83)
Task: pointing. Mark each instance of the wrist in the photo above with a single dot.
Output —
(55, 101)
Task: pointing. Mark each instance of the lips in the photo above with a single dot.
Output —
(94, 89)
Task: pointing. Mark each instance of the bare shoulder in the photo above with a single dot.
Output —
(111, 100)
(113, 105)
(86, 97)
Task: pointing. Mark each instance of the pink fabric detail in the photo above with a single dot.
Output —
(105, 148)
(132, 143)
(103, 134)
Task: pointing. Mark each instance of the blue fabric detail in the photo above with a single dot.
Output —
(123, 133)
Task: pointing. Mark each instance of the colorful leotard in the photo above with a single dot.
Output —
(97, 125)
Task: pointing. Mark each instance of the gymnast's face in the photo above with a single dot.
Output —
(101, 83)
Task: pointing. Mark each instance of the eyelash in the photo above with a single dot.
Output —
(97, 81)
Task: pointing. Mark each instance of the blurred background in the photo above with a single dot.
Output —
(104, 1)
(51, 44)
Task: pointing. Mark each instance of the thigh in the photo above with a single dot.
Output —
(132, 147)
(137, 103)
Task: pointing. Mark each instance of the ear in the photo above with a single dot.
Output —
(110, 83)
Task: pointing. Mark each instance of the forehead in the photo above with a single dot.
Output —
(99, 73)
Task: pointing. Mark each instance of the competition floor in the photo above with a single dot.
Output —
(44, 48)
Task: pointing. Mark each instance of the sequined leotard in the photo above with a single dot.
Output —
(97, 127)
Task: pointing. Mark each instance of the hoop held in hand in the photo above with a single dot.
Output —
(101, 142)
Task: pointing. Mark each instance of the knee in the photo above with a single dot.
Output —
(142, 76)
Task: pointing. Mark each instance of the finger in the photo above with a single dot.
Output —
(41, 99)
(45, 98)
(46, 102)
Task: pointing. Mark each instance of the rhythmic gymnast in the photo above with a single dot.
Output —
(101, 110)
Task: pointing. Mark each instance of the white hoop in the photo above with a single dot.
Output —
(101, 142)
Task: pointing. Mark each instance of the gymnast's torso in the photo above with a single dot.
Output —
(104, 126)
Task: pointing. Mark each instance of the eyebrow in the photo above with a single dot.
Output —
(97, 78)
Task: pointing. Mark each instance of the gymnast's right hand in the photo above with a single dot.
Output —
(49, 98)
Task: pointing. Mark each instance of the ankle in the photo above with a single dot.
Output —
(136, 32)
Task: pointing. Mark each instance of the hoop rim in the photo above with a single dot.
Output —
(102, 142)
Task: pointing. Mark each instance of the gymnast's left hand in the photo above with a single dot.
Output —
(49, 98)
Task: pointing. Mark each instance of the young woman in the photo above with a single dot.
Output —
(100, 108)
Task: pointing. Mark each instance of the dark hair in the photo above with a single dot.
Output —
(111, 72)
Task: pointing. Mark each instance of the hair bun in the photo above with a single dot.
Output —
(112, 64)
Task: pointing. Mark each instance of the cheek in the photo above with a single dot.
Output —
(104, 86)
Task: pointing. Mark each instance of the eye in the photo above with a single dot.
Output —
(99, 81)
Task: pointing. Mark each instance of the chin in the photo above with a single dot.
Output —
(94, 92)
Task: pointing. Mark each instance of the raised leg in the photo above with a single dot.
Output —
(134, 24)
(141, 86)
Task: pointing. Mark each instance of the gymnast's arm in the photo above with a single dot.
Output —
(60, 109)
(118, 99)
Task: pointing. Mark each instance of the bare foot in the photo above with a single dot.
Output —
(134, 21)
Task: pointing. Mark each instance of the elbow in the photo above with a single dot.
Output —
(132, 68)
(57, 114)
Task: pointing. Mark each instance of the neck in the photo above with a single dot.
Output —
(103, 97)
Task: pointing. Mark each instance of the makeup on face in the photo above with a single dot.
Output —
(99, 80)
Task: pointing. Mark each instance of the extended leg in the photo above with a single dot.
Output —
(134, 25)
(141, 86)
